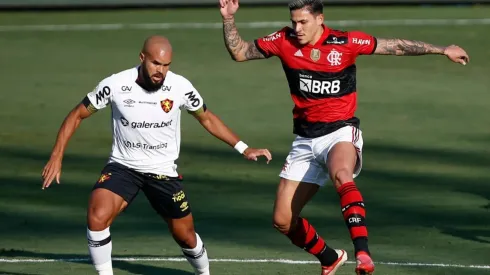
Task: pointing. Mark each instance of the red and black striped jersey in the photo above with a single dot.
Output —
(321, 77)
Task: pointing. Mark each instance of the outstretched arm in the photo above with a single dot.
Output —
(239, 49)
(398, 46)
(52, 169)
(215, 126)
(403, 47)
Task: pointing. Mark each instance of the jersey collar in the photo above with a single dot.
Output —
(324, 35)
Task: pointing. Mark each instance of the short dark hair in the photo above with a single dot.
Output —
(313, 6)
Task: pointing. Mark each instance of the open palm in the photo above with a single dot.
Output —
(228, 7)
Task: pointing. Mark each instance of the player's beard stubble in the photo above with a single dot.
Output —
(146, 82)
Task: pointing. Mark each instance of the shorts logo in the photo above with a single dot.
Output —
(184, 206)
(167, 105)
(104, 177)
(178, 196)
(285, 166)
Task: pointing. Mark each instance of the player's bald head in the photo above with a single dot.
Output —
(155, 57)
(157, 46)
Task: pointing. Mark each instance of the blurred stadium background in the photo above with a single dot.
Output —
(426, 133)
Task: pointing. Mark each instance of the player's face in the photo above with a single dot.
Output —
(155, 67)
(306, 25)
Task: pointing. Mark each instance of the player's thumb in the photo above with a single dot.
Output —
(58, 177)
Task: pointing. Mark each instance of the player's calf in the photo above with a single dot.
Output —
(197, 256)
(167, 197)
(354, 213)
(341, 163)
(104, 206)
(100, 248)
(303, 235)
(291, 197)
(182, 230)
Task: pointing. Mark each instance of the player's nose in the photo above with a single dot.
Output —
(160, 69)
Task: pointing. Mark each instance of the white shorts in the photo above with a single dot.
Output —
(307, 159)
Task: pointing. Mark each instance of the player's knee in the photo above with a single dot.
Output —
(281, 223)
(98, 218)
(342, 176)
(186, 238)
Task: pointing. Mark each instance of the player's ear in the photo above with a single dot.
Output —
(142, 56)
(320, 19)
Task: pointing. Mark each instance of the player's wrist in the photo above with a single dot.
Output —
(241, 147)
(56, 154)
(443, 50)
(229, 17)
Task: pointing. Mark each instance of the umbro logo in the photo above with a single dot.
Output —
(298, 53)
(129, 102)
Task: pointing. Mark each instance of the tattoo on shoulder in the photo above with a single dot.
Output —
(398, 46)
(252, 52)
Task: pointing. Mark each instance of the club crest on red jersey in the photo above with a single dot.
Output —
(335, 58)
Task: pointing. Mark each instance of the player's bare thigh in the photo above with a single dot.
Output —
(341, 162)
(291, 197)
(182, 230)
(103, 208)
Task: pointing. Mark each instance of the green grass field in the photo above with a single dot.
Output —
(426, 154)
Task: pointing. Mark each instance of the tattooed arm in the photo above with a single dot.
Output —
(412, 48)
(239, 49)
(406, 47)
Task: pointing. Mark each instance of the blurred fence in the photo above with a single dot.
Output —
(49, 4)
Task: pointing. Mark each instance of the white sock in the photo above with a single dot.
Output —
(100, 248)
(198, 257)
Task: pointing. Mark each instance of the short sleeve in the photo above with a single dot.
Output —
(270, 45)
(362, 43)
(101, 96)
(192, 100)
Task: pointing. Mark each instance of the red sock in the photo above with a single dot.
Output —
(305, 237)
(354, 214)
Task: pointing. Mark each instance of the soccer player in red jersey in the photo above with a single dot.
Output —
(319, 63)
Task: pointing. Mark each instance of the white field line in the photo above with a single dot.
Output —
(281, 261)
(249, 25)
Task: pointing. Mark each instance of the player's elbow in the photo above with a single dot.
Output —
(238, 58)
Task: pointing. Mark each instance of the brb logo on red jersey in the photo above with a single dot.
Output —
(309, 85)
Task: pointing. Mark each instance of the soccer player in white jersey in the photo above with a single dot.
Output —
(145, 103)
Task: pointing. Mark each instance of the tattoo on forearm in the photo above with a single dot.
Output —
(232, 38)
(406, 47)
(235, 44)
